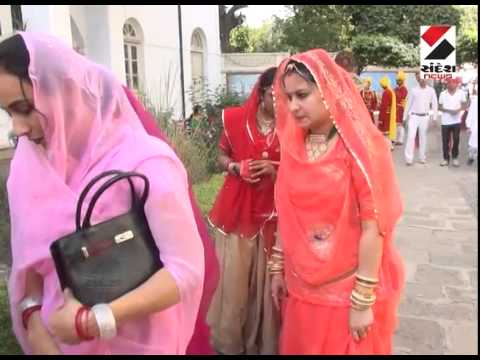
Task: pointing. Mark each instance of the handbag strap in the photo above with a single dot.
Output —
(87, 188)
(110, 182)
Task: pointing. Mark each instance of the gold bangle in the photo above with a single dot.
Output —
(277, 249)
(361, 302)
(358, 307)
(366, 279)
(362, 295)
(362, 298)
(365, 285)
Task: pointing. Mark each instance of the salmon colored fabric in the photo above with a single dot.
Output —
(321, 205)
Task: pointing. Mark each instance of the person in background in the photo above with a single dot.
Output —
(242, 317)
(387, 120)
(369, 97)
(472, 126)
(421, 100)
(401, 93)
(451, 103)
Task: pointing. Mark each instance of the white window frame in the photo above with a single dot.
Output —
(132, 44)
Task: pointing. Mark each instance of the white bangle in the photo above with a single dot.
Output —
(28, 302)
(106, 323)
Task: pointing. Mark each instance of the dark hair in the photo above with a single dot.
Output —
(299, 69)
(266, 79)
(196, 109)
(14, 57)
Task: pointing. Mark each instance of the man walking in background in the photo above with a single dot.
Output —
(421, 100)
(451, 103)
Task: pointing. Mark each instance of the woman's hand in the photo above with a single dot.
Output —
(360, 323)
(38, 337)
(261, 168)
(279, 290)
(62, 320)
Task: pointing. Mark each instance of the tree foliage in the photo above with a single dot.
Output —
(383, 50)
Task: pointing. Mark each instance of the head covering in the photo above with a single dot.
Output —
(240, 207)
(401, 76)
(385, 82)
(367, 80)
(352, 120)
(89, 127)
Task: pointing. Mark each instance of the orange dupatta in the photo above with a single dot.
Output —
(303, 187)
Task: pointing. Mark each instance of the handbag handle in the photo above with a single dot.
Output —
(87, 188)
(110, 182)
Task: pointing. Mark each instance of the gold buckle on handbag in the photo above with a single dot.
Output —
(127, 235)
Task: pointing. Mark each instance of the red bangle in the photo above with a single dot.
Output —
(27, 313)
(78, 323)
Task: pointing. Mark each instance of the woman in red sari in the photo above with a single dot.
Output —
(338, 202)
(241, 317)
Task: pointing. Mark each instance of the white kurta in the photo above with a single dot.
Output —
(472, 122)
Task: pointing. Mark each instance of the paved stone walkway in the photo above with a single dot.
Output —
(437, 237)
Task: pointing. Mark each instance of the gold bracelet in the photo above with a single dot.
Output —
(366, 279)
(362, 297)
(359, 307)
(361, 301)
(365, 285)
(277, 249)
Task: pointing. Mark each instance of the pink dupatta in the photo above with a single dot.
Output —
(199, 345)
(90, 127)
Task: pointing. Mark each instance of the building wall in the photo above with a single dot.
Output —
(240, 71)
(100, 29)
(5, 19)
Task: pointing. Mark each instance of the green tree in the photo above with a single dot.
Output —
(467, 36)
(228, 20)
(313, 26)
(401, 21)
(383, 50)
(379, 29)
(241, 39)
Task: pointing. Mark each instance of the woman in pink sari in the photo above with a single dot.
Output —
(338, 202)
(74, 121)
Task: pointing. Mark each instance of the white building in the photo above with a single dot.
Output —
(140, 43)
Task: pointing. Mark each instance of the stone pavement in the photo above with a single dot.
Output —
(437, 237)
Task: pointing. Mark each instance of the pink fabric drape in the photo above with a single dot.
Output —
(199, 345)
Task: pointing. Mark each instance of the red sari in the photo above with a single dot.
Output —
(321, 205)
(240, 207)
(370, 99)
(401, 94)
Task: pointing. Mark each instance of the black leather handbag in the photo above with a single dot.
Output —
(101, 262)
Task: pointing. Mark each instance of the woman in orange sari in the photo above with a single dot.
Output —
(336, 272)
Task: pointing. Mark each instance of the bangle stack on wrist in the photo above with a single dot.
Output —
(275, 264)
(363, 296)
(104, 318)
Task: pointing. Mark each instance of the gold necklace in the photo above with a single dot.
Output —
(316, 145)
(264, 126)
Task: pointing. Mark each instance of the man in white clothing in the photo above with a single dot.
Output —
(451, 103)
(472, 125)
(420, 101)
